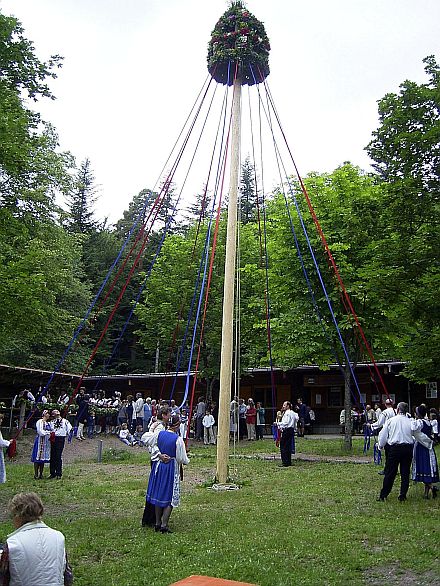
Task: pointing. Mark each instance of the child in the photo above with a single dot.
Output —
(208, 428)
(138, 435)
(125, 435)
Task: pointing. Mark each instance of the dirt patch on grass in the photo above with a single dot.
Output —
(84, 451)
(394, 575)
(87, 451)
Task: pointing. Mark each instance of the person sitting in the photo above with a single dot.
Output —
(34, 553)
(137, 436)
(125, 435)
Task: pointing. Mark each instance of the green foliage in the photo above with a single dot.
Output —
(81, 200)
(138, 211)
(406, 155)
(41, 290)
(30, 169)
(248, 194)
(303, 329)
(238, 39)
(21, 69)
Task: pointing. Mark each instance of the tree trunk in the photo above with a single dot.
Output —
(22, 414)
(347, 404)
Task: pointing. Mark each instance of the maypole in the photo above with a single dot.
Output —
(237, 55)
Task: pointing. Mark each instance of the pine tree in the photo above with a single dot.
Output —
(81, 201)
(200, 207)
(248, 192)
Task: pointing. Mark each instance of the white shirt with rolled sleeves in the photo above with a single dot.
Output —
(149, 439)
(396, 430)
(383, 417)
(290, 419)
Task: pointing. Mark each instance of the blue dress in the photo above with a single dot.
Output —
(164, 483)
(425, 467)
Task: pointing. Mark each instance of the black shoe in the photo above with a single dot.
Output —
(157, 528)
(382, 472)
(284, 465)
(401, 498)
(165, 530)
(51, 477)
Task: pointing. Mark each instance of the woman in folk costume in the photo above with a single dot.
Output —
(3, 444)
(164, 484)
(425, 466)
(163, 416)
(41, 450)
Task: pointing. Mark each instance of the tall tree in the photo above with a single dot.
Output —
(81, 201)
(405, 150)
(248, 193)
(31, 171)
(137, 213)
(42, 290)
(199, 209)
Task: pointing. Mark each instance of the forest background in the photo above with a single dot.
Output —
(382, 228)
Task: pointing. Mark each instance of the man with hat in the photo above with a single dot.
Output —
(60, 430)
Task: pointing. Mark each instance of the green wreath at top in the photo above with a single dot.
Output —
(238, 37)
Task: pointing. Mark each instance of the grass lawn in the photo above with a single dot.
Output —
(314, 523)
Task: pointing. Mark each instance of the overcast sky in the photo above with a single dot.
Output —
(132, 70)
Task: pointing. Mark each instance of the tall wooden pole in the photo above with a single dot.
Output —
(228, 293)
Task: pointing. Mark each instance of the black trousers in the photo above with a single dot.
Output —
(286, 446)
(399, 455)
(56, 451)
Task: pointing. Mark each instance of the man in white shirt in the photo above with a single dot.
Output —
(377, 425)
(386, 414)
(138, 412)
(61, 428)
(397, 434)
(287, 425)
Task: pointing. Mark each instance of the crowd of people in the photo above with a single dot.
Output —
(408, 444)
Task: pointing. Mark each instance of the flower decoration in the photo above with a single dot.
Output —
(238, 39)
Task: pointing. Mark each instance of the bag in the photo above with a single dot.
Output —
(12, 449)
(68, 574)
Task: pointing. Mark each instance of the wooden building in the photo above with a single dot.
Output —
(321, 390)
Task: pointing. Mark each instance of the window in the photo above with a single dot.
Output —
(335, 397)
(431, 390)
